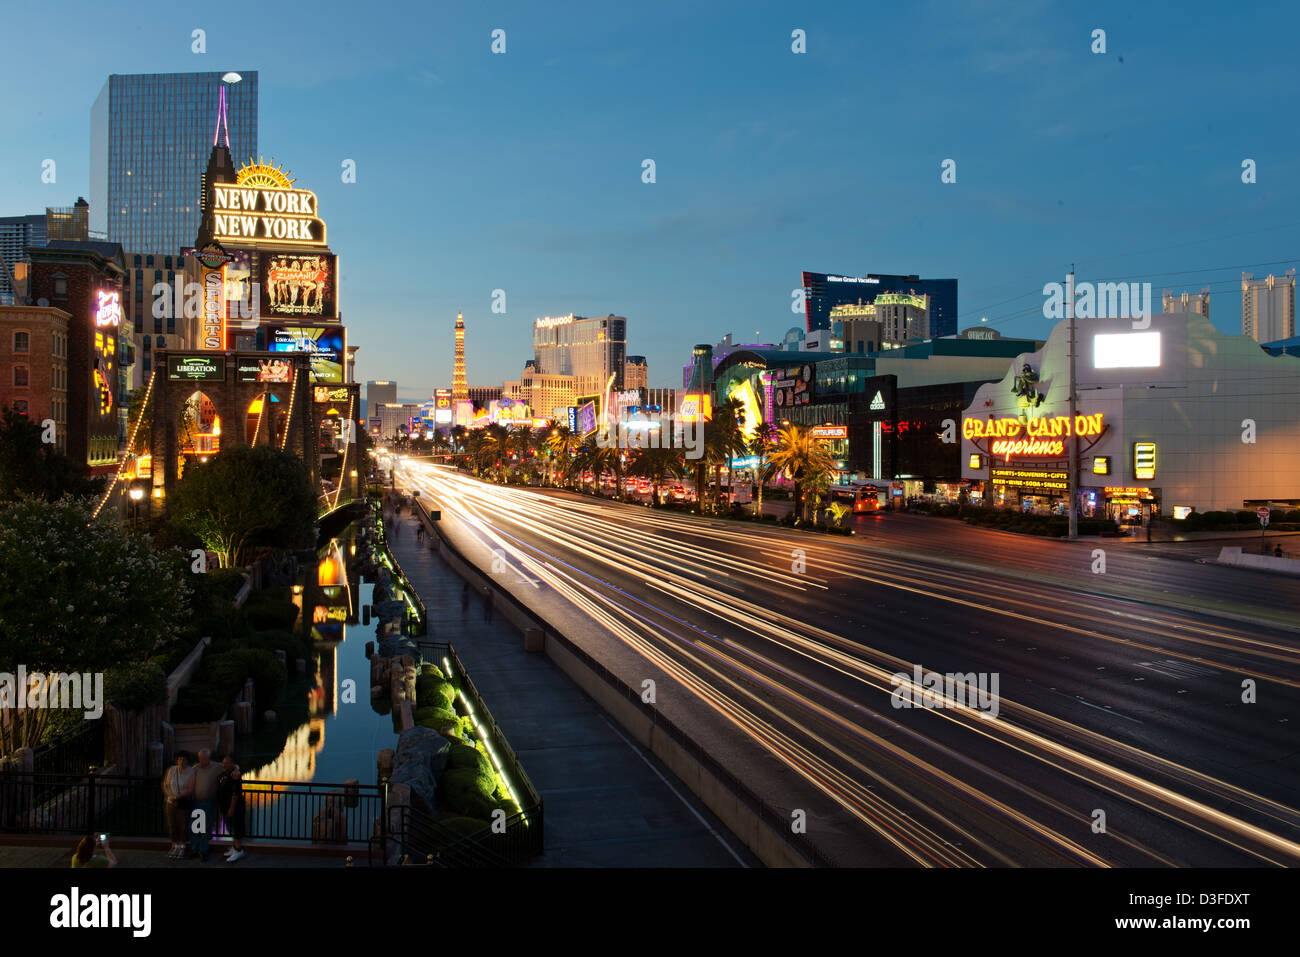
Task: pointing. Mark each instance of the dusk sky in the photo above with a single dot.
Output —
(523, 171)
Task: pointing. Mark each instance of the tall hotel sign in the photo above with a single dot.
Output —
(244, 214)
(213, 259)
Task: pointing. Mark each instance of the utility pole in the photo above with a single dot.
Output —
(1074, 437)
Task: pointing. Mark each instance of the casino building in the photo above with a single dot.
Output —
(267, 360)
(1170, 417)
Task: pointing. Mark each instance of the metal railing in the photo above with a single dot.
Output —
(75, 751)
(133, 806)
(778, 821)
(417, 617)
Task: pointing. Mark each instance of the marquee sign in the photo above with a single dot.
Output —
(1034, 437)
(260, 215)
(830, 432)
(326, 394)
(107, 318)
(1033, 479)
(297, 285)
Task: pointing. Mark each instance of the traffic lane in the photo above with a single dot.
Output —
(837, 834)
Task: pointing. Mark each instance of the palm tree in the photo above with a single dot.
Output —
(656, 465)
(761, 444)
(496, 445)
(560, 446)
(802, 458)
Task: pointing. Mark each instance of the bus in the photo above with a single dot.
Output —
(862, 499)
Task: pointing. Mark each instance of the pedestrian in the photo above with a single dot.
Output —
(419, 532)
(230, 796)
(464, 599)
(1277, 551)
(206, 775)
(85, 856)
(178, 785)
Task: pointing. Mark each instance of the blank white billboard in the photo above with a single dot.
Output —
(1126, 350)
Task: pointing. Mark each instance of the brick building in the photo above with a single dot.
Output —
(34, 365)
(84, 280)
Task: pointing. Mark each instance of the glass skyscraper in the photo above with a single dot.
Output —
(150, 137)
(823, 292)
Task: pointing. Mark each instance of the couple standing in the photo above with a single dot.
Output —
(198, 794)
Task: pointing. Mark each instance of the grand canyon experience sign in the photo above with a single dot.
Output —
(1044, 438)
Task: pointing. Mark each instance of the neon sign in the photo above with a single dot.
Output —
(109, 310)
(213, 323)
(1049, 428)
(830, 432)
(287, 215)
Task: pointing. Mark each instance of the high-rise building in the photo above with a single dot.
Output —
(822, 292)
(481, 395)
(578, 346)
(153, 333)
(459, 391)
(380, 392)
(1268, 307)
(16, 234)
(149, 140)
(1196, 302)
(636, 374)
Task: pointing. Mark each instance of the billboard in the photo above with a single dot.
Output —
(327, 346)
(197, 368)
(252, 369)
(297, 286)
(107, 319)
(586, 419)
(695, 407)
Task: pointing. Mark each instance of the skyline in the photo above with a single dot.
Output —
(522, 171)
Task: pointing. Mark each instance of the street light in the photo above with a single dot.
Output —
(136, 494)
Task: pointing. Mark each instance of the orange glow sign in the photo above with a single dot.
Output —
(695, 407)
(830, 431)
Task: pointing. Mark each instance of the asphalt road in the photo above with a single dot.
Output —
(1141, 714)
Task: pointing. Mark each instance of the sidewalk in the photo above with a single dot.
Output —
(608, 802)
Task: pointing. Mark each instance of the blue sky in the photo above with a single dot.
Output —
(522, 171)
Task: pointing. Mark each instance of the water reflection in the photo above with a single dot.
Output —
(331, 702)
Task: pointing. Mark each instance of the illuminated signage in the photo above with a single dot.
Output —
(1182, 511)
(1144, 460)
(108, 311)
(1031, 479)
(877, 403)
(976, 461)
(1126, 350)
(264, 370)
(1040, 435)
(851, 279)
(586, 419)
(297, 285)
(278, 214)
(212, 331)
(829, 431)
(550, 322)
(197, 368)
(1101, 465)
(695, 407)
(326, 394)
(1127, 491)
(325, 344)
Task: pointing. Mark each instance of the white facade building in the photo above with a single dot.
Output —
(1174, 415)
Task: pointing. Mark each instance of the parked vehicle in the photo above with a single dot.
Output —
(863, 499)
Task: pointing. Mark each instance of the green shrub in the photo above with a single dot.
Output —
(226, 672)
(270, 613)
(431, 692)
(468, 791)
(135, 686)
(438, 719)
(468, 756)
(427, 670)
(292, 645)
(198, 702)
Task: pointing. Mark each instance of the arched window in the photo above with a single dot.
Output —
(22, 342)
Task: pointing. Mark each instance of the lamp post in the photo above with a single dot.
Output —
(136, 494)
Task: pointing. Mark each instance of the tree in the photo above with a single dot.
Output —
(247, 497)
(29, 466)
(729, 439)
(802, 458)
(80, 596)
(656, 465)
(761, 444)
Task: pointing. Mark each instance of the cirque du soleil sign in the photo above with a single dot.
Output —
(1035, 437)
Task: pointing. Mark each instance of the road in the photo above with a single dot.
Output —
(1139, 716)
